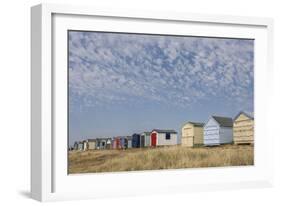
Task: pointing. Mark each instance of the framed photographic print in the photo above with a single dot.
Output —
(134, 102)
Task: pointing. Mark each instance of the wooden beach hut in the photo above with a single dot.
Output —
(129, 140)
(85, 145)
(243, 129)
(113, 143)
(80, 146)
(192, 134)
(116, 143)
(218, 130)
(136, 140)
(163, 137)
(101, 143)
(89, 144)
(123, 142)
(117, 140)
(145, 139)
(108, 143)
(75, 146)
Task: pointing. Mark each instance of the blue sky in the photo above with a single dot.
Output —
(125, 83)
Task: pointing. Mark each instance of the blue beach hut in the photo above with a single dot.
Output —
(136, 140)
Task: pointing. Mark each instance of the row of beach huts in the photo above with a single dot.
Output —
(216, 131)
(157, 137)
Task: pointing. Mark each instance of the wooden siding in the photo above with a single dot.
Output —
(211, 133)
(198, 135)
(243, 130)
(147, 140)
(226, 135)
(215, 134)
(162, 141)
(187, 141)
(80, 146)
(136, 140)
(129, 143)
(91, 145)
(191, 135)
(187, 135)
(142, 140)
(145, 137)
(101, 144)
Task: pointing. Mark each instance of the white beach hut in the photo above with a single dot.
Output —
(163, 137)
(218, 130)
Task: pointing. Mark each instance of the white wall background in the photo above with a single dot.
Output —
(15, 101)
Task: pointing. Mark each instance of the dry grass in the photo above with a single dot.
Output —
(172, 157)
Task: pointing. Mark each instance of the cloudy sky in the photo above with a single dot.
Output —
(125, 83)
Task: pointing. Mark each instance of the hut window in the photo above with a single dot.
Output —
(168, 135)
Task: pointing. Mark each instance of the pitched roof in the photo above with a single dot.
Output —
(102, 139)
(164, 130)
(129, 137)
(91, 140)
(198, 124)
(224, 121)
(246, 114)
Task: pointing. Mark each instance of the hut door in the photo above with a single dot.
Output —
(117, 143)
(142, 141)
(153, 139)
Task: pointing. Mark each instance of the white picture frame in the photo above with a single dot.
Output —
(49, 178)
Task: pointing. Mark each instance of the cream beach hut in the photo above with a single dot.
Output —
(243, 129)
(192, 134)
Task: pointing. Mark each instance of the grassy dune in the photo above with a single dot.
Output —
(172, 157)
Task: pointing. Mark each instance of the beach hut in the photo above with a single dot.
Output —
(218, 130)
(136, 140)
(123, 142)
(75, 146)
(101, 143)
(129, 141)
(145, 139)
(243, 129)
(90, 144)
(192, 134)
(163, 137)
(113, 143)
(116, 143)
(108, 143)
(85, 145)
(126, 142)
(80, 145)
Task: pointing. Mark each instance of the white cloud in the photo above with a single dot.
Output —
(118, 68)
